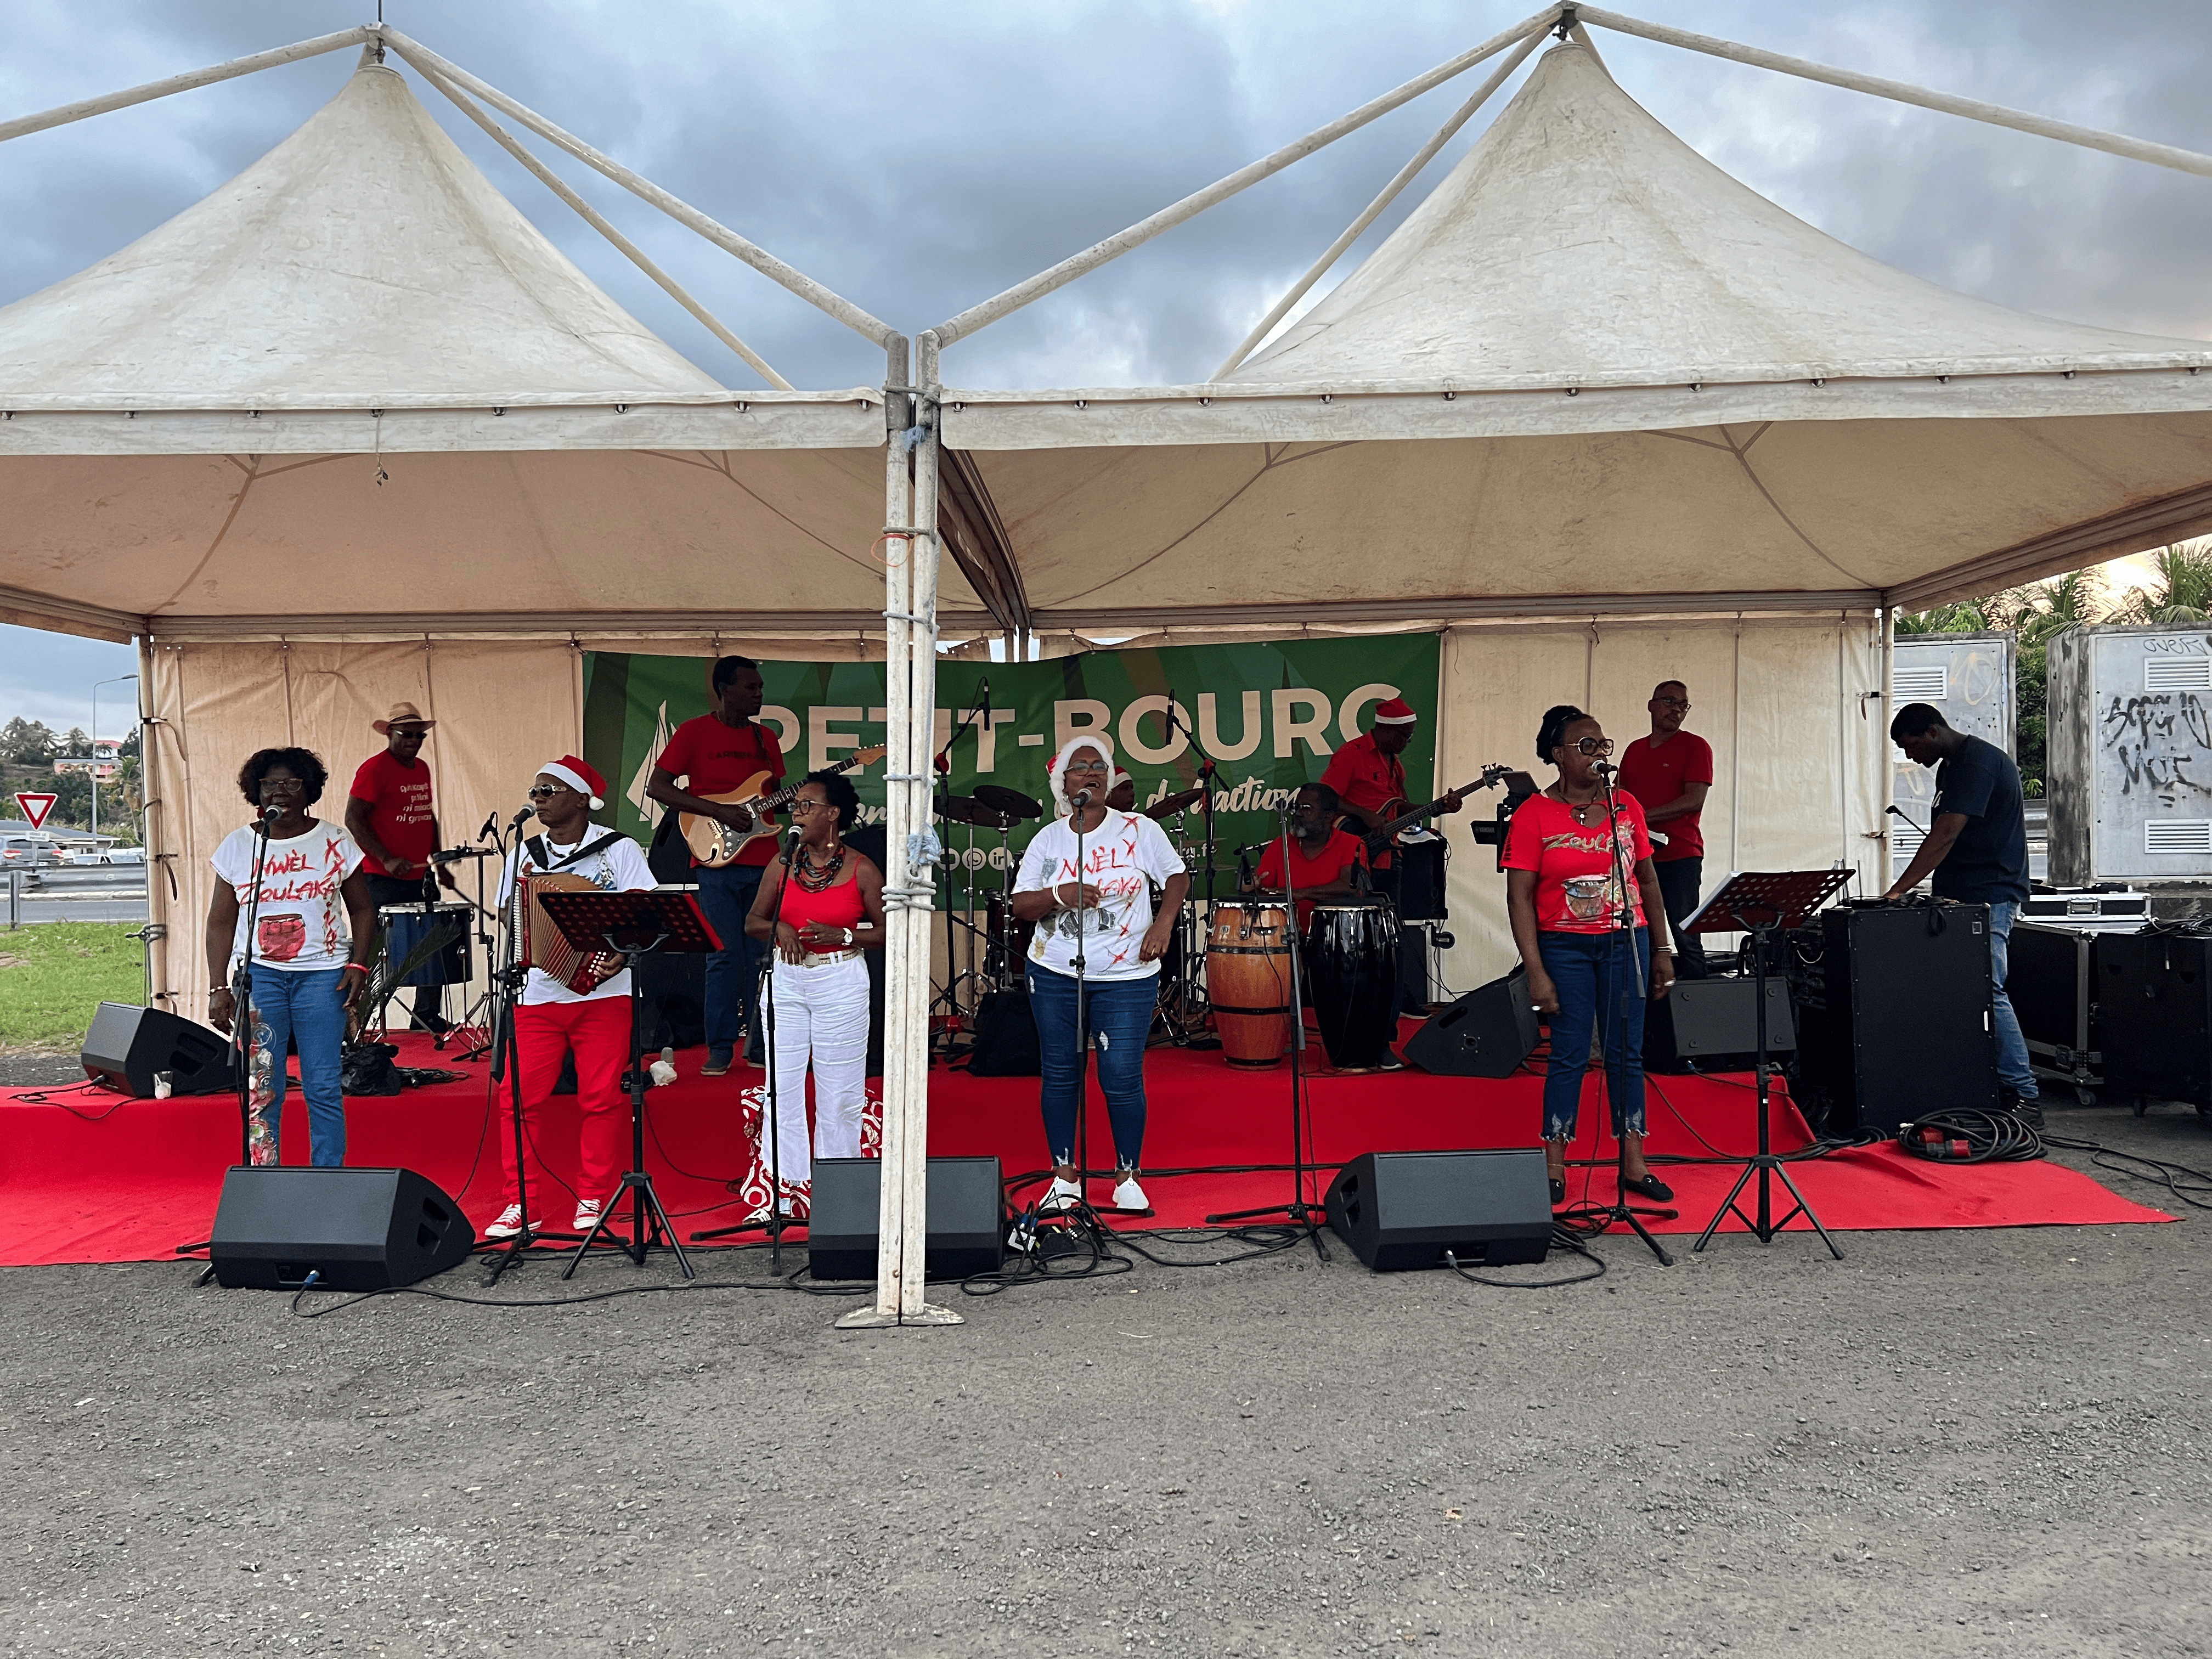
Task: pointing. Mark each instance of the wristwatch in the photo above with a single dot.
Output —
(849, 937)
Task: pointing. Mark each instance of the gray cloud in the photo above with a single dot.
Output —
(919, 159)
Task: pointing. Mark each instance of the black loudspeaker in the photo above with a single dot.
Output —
(1713, 1026)
(967, 1213)
(1006, 1042)
(1893, 1014)
(360, 1230)
(127, 1044)
(1406, 1209)
(2155, 1014)
(1487, 1033)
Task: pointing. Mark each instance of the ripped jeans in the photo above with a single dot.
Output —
(1591, 973)
(1119, 1014)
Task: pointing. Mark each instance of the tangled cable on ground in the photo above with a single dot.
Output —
(1971, 1134)
(1563, 1238)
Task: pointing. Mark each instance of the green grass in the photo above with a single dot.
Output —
(54, 973)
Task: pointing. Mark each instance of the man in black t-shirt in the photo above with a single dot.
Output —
(1977, 849)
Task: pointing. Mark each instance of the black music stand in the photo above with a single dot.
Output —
(1785, 898)
(633, 925)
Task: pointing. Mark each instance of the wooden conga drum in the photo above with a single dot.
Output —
(1247, 980)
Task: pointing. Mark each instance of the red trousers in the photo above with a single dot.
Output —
(598, 1032)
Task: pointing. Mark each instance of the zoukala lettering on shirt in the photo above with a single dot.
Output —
(299, 922)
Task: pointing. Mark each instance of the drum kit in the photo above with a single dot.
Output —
(428, 943)
(1224, 981)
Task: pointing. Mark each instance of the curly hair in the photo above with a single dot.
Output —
(303, 764)
(1557, 718)
(841, 795)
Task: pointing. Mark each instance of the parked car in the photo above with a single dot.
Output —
(22, 853)
(123, 856)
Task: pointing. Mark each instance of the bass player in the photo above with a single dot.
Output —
(714, 755)
(1370, 780)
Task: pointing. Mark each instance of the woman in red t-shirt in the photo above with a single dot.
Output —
(1564, 860)
(820, 907)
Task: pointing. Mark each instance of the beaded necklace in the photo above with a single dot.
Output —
(811, 880)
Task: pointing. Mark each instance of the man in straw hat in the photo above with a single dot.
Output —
(389, 812)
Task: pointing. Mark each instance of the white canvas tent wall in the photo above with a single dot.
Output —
(352, 430)
(1592, 376)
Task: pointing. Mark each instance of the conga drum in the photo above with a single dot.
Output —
(1247, 980)
(1351, 963)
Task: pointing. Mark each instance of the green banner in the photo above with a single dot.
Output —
(1270, 716)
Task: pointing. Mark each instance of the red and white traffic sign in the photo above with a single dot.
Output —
(35, 807)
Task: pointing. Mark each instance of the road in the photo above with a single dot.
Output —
(100, 892)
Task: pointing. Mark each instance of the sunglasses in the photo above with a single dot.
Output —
(547, 790)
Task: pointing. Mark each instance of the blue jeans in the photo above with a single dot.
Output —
(1591, 972)
(1119, 1013)
(733, 972)
(1679, 881)
(308, 1008)
(2013, 1068)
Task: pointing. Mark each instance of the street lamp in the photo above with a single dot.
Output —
(96, 685)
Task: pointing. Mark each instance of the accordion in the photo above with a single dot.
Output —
(539, 943)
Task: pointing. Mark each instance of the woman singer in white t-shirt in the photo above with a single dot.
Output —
(312, 931)
(1095, 919)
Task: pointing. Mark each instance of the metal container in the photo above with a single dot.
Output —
(1970, 678)
(2055, 980)
(2131, 754)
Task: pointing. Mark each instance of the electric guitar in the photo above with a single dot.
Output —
(1378, 839)
(716, 843)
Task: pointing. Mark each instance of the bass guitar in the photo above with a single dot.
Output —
(716, 843)
(1378, 838)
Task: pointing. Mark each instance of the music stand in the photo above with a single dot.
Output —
(633, 925)
(1785, 898)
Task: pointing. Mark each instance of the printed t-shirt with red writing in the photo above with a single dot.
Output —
(1577, 891)
(710, 758)
(1655, 776)
(399, 810)
(1121, 858)
(301, 926)
(1337, 855)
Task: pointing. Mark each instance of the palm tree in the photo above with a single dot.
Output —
(1960, 616)
(2183, 591)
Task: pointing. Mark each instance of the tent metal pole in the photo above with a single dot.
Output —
(1013, 299)
(1406, 176)
(1888, 712)
(64, 114)
(790, 276)
(2137, 149)
(591, 216)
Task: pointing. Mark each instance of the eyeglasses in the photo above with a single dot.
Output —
(547, 790)
(1086, 765)
(1594, 746)
(287, 784)
(1682, 703)
(802, 806)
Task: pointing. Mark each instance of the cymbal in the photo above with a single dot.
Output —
(1010, 801)
(1172, 805)
(966, 809)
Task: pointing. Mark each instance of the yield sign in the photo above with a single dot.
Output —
(35, 807)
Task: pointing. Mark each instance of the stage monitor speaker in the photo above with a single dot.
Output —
(966, 1215)
(2154, 1015)
(127, 1044)
(360, 1230)
(1713, 1026)
(1487, 1033)
(1400, 1210)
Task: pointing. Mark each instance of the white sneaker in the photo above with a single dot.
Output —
(1062, 1195)
(1128, 1197)
(509, 1224)
(588, 1211)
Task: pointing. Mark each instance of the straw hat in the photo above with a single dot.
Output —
(402, 714)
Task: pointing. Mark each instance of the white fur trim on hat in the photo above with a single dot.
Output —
(1057, 771)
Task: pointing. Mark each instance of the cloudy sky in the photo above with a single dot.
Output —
(919, 158)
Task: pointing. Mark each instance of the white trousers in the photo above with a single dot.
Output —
(821, 1015)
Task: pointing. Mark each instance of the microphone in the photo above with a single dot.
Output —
(1080, 797)
(268, 816)
(1605, 768)
(522, 817)
(490, 823)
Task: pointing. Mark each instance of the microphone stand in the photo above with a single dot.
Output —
(1300, 1212)
(505, 992)
(1082, 1159)
(1623, 942)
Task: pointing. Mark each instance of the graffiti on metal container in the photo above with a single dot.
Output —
(2160, 739)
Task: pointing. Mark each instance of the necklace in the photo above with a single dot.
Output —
(1580, 809)
(814, 880)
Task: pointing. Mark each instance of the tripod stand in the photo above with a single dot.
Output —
(633, 925)
(1784, 899)
(1300, 1213)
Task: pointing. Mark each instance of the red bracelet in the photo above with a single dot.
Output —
(355, 968)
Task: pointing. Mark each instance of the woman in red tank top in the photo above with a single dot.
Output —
(820, 905)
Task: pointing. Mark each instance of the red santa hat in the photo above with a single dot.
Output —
(580, 775)
(1396, 712)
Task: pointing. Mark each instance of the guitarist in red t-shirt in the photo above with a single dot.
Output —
(714, 755)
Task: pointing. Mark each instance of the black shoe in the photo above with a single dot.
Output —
(1649, 1186)
(2028, 1110)
(1558, 1192)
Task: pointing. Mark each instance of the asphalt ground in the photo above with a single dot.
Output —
(1950, 1442)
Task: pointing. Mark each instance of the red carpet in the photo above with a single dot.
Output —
(90, 1175)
